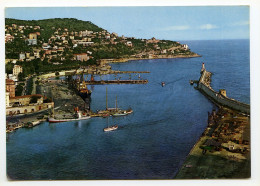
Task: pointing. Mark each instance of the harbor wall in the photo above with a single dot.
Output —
(218, 98)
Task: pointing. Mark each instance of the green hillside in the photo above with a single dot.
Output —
(47, 25)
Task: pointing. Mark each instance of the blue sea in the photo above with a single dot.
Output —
(152, 142)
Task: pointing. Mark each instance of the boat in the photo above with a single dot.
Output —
(53, 120)
(110, 128)
(78, 117)
(80, 86)
(163, 84)
(83, 91)
(120, 113)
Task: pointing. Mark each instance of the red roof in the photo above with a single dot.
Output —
(9, 81)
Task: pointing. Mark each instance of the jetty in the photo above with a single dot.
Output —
(219, 98)
(103, 82)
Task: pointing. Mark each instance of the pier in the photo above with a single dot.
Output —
(219, 98)
(103, 82)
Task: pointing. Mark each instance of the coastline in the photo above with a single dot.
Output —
(123, 60)
(109, 70)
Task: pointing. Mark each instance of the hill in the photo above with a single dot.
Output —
(47, 25)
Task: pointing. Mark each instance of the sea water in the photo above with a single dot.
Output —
(150, 143)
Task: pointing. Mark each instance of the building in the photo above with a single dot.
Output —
(153, 40)
(7, 94)
(33, 36)
(27, 104)
(8, 37)
(12, 77)
(185, 46)
(32, 39)
(26, 100)
(82, 57)
(10, 87)
(21, 56)
(129, 43)
(17, 69)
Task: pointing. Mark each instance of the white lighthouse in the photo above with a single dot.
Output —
(202, 68)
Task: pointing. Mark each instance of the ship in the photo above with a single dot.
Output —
(83, 90)
(80, 86)
(53, 120)
(77, 116)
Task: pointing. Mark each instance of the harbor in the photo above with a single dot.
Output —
(152, 142)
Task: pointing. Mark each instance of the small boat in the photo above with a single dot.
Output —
(163, 84)
(111, 128)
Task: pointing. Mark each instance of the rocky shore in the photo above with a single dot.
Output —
(223, 150)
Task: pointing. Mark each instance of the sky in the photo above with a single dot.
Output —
(169, 22)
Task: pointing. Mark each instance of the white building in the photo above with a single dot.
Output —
(22, 56)
(7, 99)
(17, 69)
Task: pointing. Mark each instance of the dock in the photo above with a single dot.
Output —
(103, 82)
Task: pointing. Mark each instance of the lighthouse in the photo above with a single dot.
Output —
(202, 68)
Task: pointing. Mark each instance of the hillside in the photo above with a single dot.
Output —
(48, 25)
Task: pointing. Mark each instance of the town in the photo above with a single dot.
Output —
(37, 52)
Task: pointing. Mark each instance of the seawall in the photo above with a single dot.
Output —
(217, 97)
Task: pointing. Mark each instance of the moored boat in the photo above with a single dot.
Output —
(53, 120)
(124, 113)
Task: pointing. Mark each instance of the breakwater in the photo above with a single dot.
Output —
(103, 82)
(220, 97)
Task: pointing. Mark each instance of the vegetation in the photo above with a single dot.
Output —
(29, 86)
(34, 99)
(64, 60)
(18, 90)
(48, 26)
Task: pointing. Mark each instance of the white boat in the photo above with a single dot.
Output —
(120, 114)
(111, 128)
(53, 120)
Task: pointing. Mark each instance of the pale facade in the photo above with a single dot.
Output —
(17, 69)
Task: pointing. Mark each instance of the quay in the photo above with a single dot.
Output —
(103, 82)
(220, 98)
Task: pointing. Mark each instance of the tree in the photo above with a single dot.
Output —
(34, 99)
(57, 75)
(21, 76)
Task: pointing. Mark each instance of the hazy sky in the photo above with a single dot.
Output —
(174, 23)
